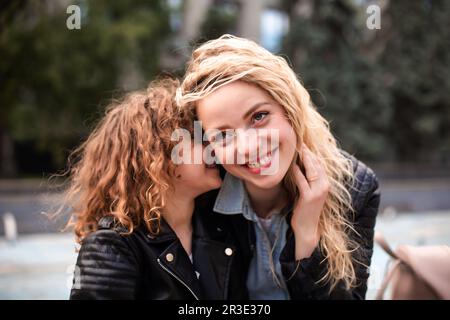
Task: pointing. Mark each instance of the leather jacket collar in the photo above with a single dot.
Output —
(212, 258)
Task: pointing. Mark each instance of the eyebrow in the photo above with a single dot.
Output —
(247, 113)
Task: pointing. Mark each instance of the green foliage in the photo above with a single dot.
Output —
(220, 19)
(53, 78)
(386, 92)
(418, 62)
(345, 86)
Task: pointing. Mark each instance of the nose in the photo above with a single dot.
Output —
(247, 145)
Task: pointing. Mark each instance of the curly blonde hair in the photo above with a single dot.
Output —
(227, 59)
(123, 169)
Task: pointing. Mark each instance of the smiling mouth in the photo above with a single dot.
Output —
(261, 163)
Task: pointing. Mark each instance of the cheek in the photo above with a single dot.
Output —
(225, 155)
(197, 178)
(189, 173)
(289, 141)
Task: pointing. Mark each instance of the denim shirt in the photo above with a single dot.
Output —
(261, 282)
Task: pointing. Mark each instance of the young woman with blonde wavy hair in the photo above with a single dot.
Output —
(134, 211)
(310, 224)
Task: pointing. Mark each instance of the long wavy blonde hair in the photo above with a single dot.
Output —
(123, 169)
(226, 59)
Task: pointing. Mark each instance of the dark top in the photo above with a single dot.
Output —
(112, 265)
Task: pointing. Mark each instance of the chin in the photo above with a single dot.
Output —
(212, 183)
(258, 180)
(211, 186)
(217, 185)
(265, 182)
(206, 186)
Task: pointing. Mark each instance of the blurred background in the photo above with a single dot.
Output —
(385, 88)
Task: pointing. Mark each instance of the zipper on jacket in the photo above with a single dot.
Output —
(176, 277)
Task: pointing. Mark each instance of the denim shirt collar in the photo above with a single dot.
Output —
(233, 198)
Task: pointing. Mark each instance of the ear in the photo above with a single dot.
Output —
(174, 170)
(175, 173)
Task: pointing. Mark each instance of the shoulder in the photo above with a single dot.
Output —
(110, 241)
(106, 267)
(108, 230)
(365, 182)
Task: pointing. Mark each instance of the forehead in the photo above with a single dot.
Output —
(228, 104)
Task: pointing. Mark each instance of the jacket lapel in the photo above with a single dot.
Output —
(176, 262)
(174, 259)
(212, 257)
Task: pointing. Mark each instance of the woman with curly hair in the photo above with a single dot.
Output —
(134, 211)
(307, 228)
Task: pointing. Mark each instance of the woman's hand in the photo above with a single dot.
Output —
(313, 193)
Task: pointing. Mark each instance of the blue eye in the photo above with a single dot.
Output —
(259, 116)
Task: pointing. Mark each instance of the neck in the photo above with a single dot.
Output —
(178, 210)
(266, 201)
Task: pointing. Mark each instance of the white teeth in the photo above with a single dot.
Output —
(264, 161)
(253, 165)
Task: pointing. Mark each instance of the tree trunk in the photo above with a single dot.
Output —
(8, 168)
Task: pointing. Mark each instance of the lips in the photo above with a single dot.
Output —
(261, 163)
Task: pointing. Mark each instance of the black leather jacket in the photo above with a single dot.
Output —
(111, 265)
(302, 276)
(114, 266)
